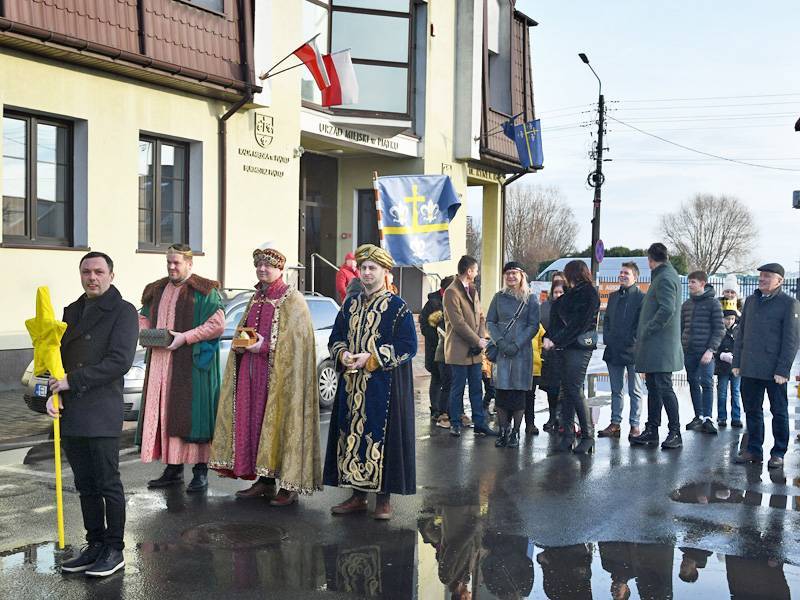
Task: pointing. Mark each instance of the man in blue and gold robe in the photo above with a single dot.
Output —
(371, 439)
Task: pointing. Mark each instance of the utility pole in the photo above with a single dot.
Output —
(596, 177)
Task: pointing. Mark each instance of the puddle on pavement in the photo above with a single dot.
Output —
(452, 555)
(719, 493)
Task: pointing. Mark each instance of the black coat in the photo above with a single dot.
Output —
(726, 345)
(97, 350)
(620, 323)
(428, 329)
(572, 314)
(769, 335)
(701, 323)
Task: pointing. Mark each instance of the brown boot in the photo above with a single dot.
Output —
(258, 489)
(284, 498)
(612, 431)
(354, 504)
(383, 509)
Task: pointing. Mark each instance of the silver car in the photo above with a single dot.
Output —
(323, 314)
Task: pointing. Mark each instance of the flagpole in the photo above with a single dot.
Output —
(59, 493)
(266, 73)
(264, 76)
(377, 193)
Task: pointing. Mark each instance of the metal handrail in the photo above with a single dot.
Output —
(314, 269)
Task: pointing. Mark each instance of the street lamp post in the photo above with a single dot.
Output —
(596, 177)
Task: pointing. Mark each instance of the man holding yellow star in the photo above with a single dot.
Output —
(97, 350)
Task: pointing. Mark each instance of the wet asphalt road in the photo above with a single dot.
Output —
(499, 523)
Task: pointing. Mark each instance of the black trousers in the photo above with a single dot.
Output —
(573, 363)
(530, 399)
(660, 394)
(440, 388)
(95, 464)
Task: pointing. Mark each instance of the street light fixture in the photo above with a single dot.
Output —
(596, 177)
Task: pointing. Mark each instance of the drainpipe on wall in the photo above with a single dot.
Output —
(222, 131)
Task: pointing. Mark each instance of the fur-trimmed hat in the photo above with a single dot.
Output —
(269, 255)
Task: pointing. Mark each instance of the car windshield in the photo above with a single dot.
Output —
(323, 312)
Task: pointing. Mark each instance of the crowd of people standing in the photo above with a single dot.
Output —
(649, 335)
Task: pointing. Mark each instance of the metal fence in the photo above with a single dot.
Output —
(747, 284)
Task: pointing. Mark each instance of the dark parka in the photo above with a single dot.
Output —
(726, 345)
(515, 356)
(572, 314)
(768, 337)
(429, 318)
(701, 323)
(620, 323)
(97, 350)
(658, 337)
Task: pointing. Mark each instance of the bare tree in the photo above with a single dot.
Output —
(538, 225)
(712, 232)
(474, 238)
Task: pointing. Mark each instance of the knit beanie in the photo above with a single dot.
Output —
(731, 283)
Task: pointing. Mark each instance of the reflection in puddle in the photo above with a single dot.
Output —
(43, 557)
(718, 493)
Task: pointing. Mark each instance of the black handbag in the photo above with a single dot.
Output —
(492, 351)
(588, 339)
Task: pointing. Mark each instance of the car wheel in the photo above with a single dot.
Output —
(328, 381)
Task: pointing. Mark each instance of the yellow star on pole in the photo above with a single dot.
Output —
(46, 333)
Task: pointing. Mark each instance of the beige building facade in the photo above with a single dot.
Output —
(125, 145)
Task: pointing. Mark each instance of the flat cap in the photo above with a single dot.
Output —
(773, 268)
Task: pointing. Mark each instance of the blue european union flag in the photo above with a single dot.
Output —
(416, 211)
(528, 139)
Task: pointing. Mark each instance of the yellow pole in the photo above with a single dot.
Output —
(59, 494)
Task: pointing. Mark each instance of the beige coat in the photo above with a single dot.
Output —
(465, 324)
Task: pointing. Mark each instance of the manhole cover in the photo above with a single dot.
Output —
(234, 535)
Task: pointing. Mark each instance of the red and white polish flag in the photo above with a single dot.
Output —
(343, 87)
(309, 54)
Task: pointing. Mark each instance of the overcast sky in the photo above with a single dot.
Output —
(717, 76)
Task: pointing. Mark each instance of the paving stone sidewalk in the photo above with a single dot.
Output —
(19, 421)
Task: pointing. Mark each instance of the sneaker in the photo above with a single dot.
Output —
(649, 437)
(443, 421)
(88, 556)
(466, 421)
(110, 562)
(455, 431)
(695, 424)
(738, 424)
(722, 423)
(673, 441)
(708, 427)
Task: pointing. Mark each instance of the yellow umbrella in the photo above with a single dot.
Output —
(46, 335)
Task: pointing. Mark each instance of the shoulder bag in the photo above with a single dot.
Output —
(492, 350)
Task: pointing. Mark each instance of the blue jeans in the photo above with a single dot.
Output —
(616, 377)
(753, 399)
(722, 397)
(701, 384)
(463, 375)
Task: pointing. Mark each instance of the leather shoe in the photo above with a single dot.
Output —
(775, 462)
(708, 427)
(199, 482)
(513, 439)
(257, 490)
(484, 430)
(172, 474)
(354, 504)
(737, 424)
(634, 432)
(612, 431)
(531, 429)
(284, 498)
(383, 510)
(747, 457)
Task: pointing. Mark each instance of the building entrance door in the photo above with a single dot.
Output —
(319, 181)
